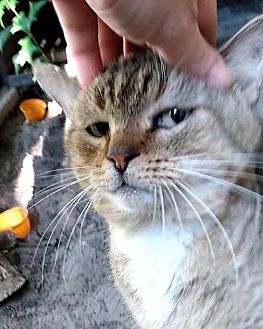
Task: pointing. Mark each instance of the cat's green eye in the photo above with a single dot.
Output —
(170, 118)
(99, 129)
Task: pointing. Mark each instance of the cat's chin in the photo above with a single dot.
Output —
(131, 198)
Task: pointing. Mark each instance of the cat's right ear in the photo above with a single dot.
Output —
(57, 84)
(244, 57)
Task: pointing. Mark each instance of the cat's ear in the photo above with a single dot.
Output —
(244, 57)
(58, 85)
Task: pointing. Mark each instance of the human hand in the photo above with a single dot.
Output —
(183, 32)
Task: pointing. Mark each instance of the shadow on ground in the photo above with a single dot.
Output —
(85, 298)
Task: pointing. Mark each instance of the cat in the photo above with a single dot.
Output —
(171, 164)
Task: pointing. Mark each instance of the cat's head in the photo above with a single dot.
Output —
(144, 138)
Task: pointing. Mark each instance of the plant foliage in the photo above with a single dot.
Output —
(21, 22)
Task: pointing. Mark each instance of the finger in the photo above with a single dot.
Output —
(207, 19)
(80, 27)
(194, 54)
(189, 51)
(110, 44)
(207, 64)
(170, 27)
(131, 19)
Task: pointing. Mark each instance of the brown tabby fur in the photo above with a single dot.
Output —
(219, 139)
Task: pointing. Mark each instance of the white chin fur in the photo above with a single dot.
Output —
(131, 199)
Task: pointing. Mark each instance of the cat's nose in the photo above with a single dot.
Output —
(121, 156)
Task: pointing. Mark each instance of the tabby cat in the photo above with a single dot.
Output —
(171, 163)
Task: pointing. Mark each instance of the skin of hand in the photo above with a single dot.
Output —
(183, 32)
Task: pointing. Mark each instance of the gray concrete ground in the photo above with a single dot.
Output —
(81, 297)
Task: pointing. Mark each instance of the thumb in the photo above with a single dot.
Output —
(192, 53)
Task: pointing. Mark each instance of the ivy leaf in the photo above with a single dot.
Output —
(34, 9)
(20, 23)
(17, 61)
(4, 37)
(26, 54)
(28, 47)
(3, 7)
(12, 4)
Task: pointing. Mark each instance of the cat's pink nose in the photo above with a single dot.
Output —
(121, 156)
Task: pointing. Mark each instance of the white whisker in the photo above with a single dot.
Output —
(79, 195)
(60, 189)
(54, 185)
(236, 156)
(174, 203)
(244, 175)
(87, 206)
(81, 227)
(154, 205)
(51, 223)
(66, 222)
(232, 163)
(223, 182)
(61, 169)
(197, 215)
(162, 210)
(56, 175)
(220, 226)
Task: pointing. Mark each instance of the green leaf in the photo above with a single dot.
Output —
(13, 3)
(4, 37)
(4, 4)
(10, 4)
(3, 7)
(34, 9)
(26, 54)
(28, 46)
(17, 59)
(20, 23)
(28, 51)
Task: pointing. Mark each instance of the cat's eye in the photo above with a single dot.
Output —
(98, 129)
(170, 118)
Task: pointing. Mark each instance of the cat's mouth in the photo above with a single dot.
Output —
(129, 196)
(126, 190)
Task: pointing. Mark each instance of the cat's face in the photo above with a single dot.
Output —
(145, 141)
(140, 129)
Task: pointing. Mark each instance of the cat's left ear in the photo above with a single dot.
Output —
(244, 57)
(58, 85)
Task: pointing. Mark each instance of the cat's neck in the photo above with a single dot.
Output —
(156, 266)
(207, 240)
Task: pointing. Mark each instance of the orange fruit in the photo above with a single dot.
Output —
(16, 221)
(34, 109)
